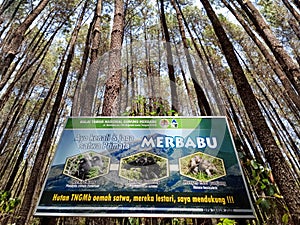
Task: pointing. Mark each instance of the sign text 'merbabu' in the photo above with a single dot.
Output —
(179, 142)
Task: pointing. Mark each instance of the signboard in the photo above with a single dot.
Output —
(146, 166)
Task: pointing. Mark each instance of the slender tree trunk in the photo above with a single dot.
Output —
(132, 72)
(5, 5)
(292, 10)
(174, 96)
(113, 83)
(10, 19)
(89, 87)
(270, 59)
(150, 91)
(96, 34)
(80, 94)
(35, 177)
(28, 55)
(127, 101)
(189, 94)
(281, 170)
(206, 55)
(24, 69)
(295, 27)
(287, 63)
(15, 42)
(201, 97)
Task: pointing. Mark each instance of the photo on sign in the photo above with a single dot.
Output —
(86, 166)
(144, 166)
(202, 167)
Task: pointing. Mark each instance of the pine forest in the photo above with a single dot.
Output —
(233, 58)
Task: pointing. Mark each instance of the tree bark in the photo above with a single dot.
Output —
(42, 152)
(201, 97)
(24, 69)
(293, 94)
(282, 173)
(295, 27)
(86, 98)
(113, 83)
(80, 93)
(5, 5)
(292, 10)
(171, 72)
(14, 121)
(291, 69)
(14, 44)
(96, 33)
(189, 94)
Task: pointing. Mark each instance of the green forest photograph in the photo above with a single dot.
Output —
(238, 59)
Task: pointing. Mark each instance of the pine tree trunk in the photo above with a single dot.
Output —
(96, 32)
(33, 186)
(292, 10)
(5, 5)
(190, 97)
(293, 94)
(113, 83)
(18, 36)
(287, 63)
(201, 97)
(131, 70)
(24, 69)
(86, 98)
(295, 27)
(171, 72)
(281, 170)
(79, 94)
